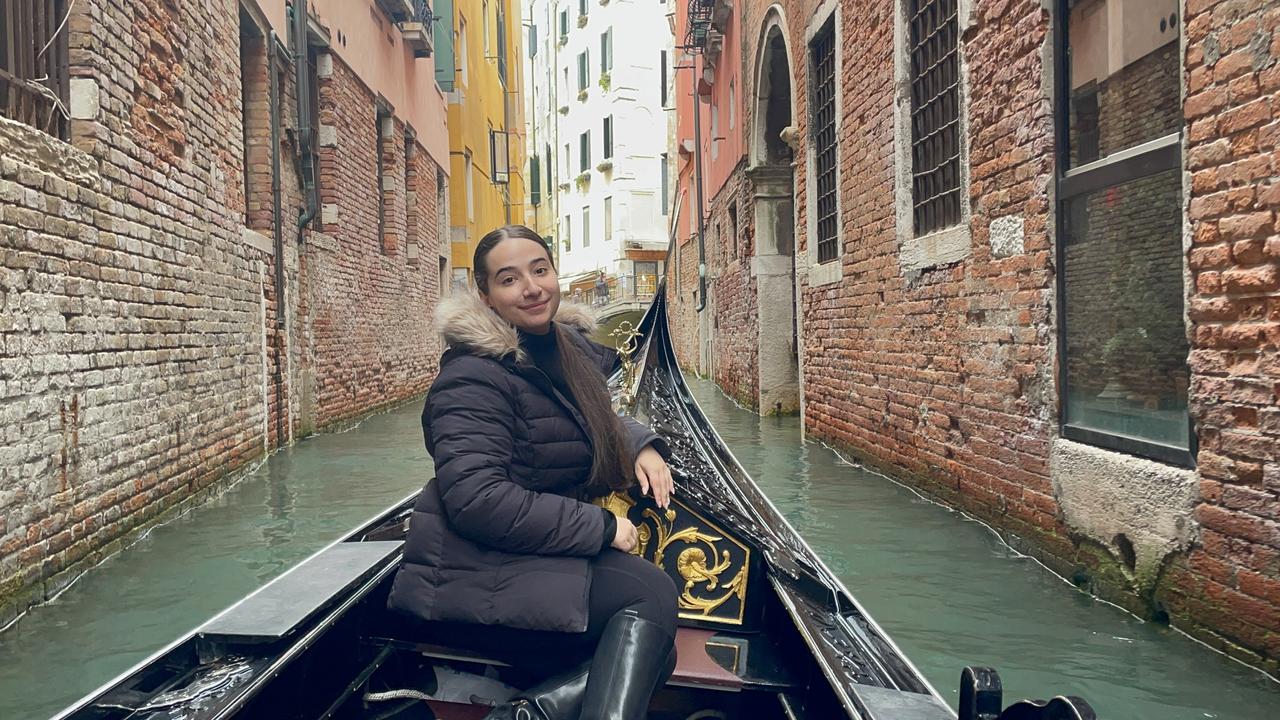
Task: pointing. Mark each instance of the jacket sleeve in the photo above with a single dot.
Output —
(470, 431)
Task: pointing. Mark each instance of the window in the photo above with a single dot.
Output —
(471, 190)
(550, 162)
(1124, 372)
(567, 160)
(462, 49)
(606, 50)
(715, 128)
(410, 198)
(533, 40)
(586, 227)
(823, 102)
(379, 148)
(662, 78)
(608, 219)
(568, 234)
(582, 8)
(608, 138)
(584, 71)
(584, 151)
(499, 156)
(666, 186)
(733, 106)
(535, 180)
(460, 278)
(484, 23)
(934, 52)
(502, 42)
(252, 65)
(25, 27)
(564, 24)
(733, 230)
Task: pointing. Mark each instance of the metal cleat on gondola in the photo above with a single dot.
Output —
(981, 698)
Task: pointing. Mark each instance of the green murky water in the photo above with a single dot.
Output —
(944, 587)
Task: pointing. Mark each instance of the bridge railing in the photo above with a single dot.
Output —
(616, 289)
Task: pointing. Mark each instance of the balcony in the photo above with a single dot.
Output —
(416, 28)
(398, 10)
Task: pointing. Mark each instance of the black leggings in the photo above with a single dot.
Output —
(619, 581)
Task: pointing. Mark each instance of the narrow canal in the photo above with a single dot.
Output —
(944, 587)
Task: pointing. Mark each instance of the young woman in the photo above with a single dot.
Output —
(505, 553)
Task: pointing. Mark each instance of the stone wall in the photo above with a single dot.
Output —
(140, 354)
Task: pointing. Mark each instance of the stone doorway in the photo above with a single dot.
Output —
(773, 193)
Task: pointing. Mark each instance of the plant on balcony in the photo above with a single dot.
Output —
(564, 40)
(582, 95)
(582, 21)
(605, 81)
(564, 186)
(603, 3)
(605, 166)
(564, 110)
(583, 181)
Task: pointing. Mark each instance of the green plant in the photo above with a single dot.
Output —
(583, 180)
(605, 81)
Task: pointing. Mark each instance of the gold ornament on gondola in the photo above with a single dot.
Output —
(625, 343)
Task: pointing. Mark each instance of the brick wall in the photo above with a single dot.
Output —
(1229, 586)
(734, 290)
(131, 329)
(373, 340)
(139, 351)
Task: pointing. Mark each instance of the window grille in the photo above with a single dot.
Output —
(35, 85)
(935, 115)
(824, 134)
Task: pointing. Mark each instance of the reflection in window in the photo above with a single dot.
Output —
(1124, 372)
(1126, 342)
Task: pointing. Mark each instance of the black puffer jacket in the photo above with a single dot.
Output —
(502, 536)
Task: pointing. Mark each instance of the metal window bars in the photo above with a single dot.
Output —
(35, 82)
(935, 115)
(695, 39)
(824, 134)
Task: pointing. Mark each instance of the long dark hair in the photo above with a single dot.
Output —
(609, 469)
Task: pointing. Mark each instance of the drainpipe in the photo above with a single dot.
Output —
(306, 133)
(697, 171)
(277, 235)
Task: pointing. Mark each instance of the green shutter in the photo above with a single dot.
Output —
(442, 36)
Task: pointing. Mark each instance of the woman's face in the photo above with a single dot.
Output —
(523, 287)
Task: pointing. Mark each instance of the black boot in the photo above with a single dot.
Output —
(559, 698)
(633, 659)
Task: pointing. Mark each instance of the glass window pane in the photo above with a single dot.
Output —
(1123, 75)
(1126, 342)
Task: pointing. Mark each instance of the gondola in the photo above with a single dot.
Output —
(767, 631)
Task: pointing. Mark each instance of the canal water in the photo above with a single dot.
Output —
(943, 586)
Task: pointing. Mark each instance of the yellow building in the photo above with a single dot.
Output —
(486, 120)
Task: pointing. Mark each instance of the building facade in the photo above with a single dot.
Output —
(603, 116)
(486, 122)
(1024, 256)
(221, 227)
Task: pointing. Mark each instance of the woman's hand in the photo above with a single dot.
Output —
(653, 473)
(626, 537)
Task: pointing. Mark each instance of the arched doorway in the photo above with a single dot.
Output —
(772, 182)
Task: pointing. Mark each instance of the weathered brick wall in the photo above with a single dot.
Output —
(1230, 584)
(736, 321)
(373, 341)
(139, 353)
(132, 373)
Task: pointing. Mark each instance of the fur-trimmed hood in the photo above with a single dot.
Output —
(466, 322)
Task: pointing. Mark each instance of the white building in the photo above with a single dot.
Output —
(598, 133)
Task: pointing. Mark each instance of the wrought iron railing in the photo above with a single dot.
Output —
(695, 39)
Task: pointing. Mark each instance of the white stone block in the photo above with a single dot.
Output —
(328, 213)
(84, 99)
(328, 136)
(1007, 236)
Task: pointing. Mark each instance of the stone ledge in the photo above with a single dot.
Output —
(321, 241)
(937, 248)
(826, 273)
(257, 240)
